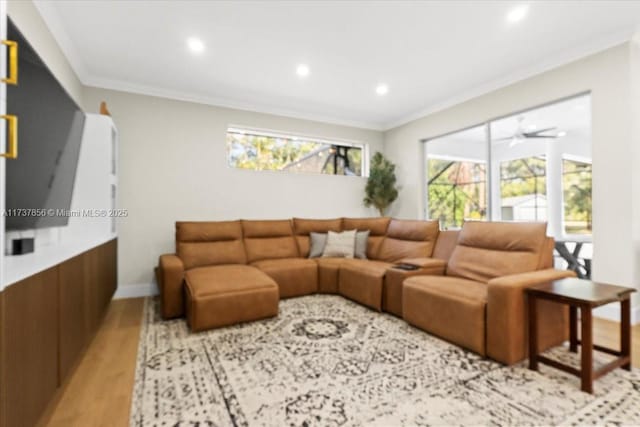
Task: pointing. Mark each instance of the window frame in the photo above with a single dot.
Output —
(491, 209)
(270, 133)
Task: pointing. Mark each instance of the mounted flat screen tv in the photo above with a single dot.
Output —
(50, 127)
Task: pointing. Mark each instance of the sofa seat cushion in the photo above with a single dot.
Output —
(328, 271)
(228, 294)
(362, 281)
(294, 276)
(449, 307)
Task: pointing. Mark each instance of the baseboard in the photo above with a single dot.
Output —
(612, 312)
(136, 290)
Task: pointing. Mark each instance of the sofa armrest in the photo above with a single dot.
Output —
(427, 265)
(170, 285)
(507, 326)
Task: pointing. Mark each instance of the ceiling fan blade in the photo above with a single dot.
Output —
(541, 136)
(537, 132)
(508, 138)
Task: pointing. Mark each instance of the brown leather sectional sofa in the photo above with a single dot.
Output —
(468, 288)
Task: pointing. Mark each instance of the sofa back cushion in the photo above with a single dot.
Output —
(546, 258)
(377, 229)
(302, 228)
(201, 244)
(486, 250)
(271, 239)
(446, 243)
(408, 239)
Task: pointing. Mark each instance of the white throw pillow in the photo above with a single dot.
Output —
(340, 245)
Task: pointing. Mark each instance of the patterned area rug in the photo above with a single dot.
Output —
(326, 361)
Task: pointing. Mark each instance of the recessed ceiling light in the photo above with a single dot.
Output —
(302, 70)
(562, 133)
(195, 45)
(518, 13)
(382, 89)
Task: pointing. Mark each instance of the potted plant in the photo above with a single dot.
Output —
(381, 189)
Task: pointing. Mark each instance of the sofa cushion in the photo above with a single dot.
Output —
(377, 229)
(340, 245)
(303, 227)
(294, 276)
(228, 294)
(208, 243)
(269, 240)
(328, 271)
(317, 242)
(449, 307)
(486, 250)
(360, 249)
(362, 281)
(445, 244)
(408, 239)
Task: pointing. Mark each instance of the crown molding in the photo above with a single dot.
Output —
(119, 85)
(554, 61)
(50, 16)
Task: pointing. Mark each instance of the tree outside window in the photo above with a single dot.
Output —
(457, 191)
(576, 188)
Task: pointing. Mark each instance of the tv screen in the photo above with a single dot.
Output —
(50, 126)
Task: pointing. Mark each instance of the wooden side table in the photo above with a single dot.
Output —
(584, 295)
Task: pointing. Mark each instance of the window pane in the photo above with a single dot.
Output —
(523, 189)
(250, 150)
(457, 191)
(457, 177)
(576, 188)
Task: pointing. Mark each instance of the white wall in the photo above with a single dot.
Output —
(172, 167)
(635, 156)
(607, 76)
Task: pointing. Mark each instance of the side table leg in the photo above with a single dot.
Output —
(625, 331)
(533, 334)
(586, 370)
(573, 329)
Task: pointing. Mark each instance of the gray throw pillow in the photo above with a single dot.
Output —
(361, 244)
(317, 241)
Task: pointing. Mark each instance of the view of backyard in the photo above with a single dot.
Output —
(255, 151)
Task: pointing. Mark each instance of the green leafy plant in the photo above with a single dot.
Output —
(381, 188)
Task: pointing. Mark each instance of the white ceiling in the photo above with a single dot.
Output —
(431, 54)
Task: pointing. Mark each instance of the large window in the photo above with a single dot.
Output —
(260, 151)
(531, 166)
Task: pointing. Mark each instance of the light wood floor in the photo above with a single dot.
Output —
(99, 391)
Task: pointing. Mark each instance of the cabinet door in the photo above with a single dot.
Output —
(74, 330)
(30, 330)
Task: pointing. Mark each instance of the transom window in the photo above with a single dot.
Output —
(266, 151)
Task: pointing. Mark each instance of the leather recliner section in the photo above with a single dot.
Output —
(272, 248)
(228, 294)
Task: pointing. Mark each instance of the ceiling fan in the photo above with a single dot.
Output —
(521, 135)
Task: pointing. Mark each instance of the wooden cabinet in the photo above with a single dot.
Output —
(30, 331)
(47, 321)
